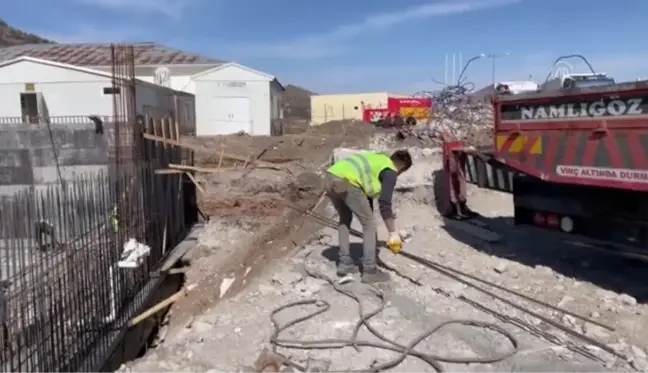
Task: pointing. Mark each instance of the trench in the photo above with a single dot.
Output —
(138, 339)
(235, 274)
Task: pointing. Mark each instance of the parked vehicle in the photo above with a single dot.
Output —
(574, 159)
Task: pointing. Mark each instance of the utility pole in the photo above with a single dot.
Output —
(493, 57)
(454, 67)
(445, 72)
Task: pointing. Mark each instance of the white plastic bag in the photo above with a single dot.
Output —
(133, 254)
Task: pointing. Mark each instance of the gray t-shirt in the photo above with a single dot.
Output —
(388, 179)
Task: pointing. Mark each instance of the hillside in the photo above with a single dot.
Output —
(297, 102)
(11, 36)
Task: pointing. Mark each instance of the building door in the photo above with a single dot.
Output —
(229, 115)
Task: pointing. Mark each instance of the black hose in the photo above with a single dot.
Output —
(387, 344)
(434, 265)
(456, 275)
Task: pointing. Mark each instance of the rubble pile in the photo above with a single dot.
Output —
(471, 123)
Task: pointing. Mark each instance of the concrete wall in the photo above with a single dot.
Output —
(29, 155)
(28, 159)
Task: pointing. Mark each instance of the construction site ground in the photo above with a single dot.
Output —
(257, 255)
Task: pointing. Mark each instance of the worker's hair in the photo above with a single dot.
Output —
(402, 157)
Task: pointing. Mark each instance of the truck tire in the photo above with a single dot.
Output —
(442, 199)
(410, 121)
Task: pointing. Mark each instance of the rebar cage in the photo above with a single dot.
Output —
(64, 280)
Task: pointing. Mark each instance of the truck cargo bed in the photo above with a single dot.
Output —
(595, 136)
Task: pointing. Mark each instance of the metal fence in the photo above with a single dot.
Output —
(67, 279)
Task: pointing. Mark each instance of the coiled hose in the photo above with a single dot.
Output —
(364, 320)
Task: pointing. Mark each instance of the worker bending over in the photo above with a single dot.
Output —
(352, 183)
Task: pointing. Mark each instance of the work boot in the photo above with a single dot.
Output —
(344, 269)
(466, 211)
(374, 275)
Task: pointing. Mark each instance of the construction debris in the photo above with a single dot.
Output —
(471, 123)
(524, 261)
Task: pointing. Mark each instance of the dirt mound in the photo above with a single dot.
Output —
(237, 191)
(347, 128)
(255, 206)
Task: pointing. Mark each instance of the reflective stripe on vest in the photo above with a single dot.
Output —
(364, 170)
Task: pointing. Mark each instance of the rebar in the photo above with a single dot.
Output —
(61, 289)
(457, 276)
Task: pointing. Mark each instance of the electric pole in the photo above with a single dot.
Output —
(493, 57)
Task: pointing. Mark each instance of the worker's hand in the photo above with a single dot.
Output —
(394, 242)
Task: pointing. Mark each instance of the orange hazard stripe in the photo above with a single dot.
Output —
(519, 144)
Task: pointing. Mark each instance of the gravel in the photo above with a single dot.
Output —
(230, 335)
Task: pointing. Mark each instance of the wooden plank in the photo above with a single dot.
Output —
(167, 171)
(193, 180)
(202, 149)
(163, 124)
(208, 170)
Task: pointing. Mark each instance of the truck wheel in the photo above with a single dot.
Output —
(442, 199)
(410, 121)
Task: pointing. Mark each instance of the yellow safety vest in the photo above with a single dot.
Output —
(362, 170)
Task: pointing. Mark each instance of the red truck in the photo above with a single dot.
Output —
(418, 108)
(575, 162)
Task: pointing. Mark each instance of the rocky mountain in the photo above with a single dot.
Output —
(11, 36)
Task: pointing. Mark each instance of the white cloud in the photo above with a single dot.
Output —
(169, 8)
(331, 41)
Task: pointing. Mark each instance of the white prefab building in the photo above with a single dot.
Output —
(36, 88)
(230, 98)
(233, 98)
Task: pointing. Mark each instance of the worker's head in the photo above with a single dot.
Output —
(402, 160)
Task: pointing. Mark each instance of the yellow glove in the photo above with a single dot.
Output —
(394, 242)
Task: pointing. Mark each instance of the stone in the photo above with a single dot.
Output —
(501, 267)
(638, 352)
(595, 315)
(594, 331)
(289, 278)
(201, 327)
(640, 364)
(619, 346)
(566, 299)
(627, 300)
(544, 269)
(569, 320)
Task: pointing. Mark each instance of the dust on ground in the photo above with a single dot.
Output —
(249, 220)
(536, 263)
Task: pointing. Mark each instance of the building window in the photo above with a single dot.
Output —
(29, 107)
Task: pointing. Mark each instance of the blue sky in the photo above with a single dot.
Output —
(363, 45)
